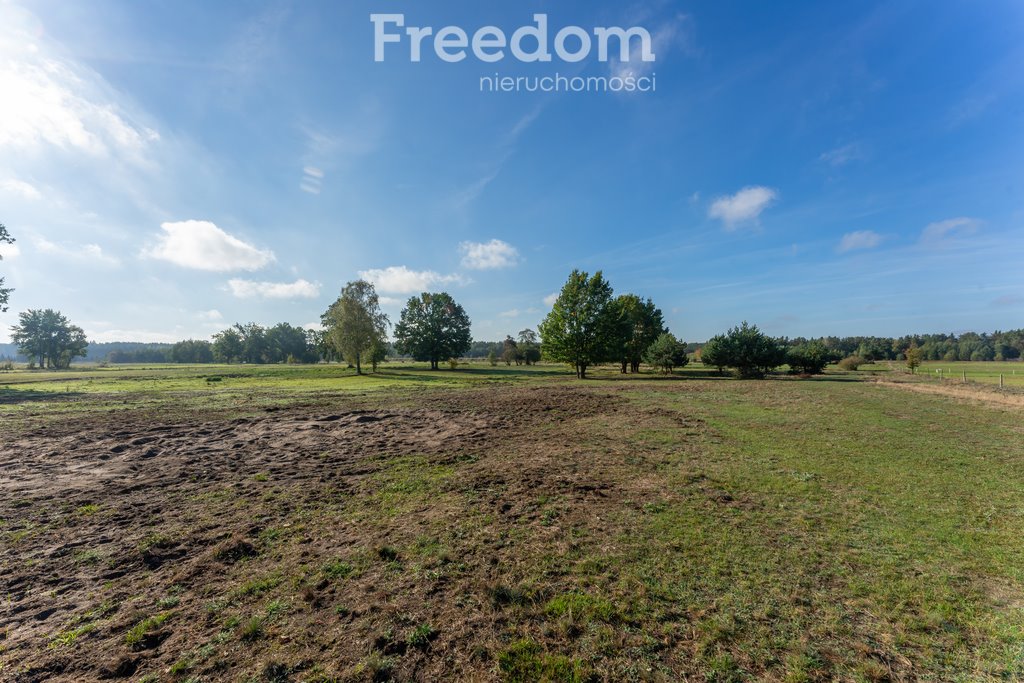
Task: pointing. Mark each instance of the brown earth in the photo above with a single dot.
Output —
(351, 516)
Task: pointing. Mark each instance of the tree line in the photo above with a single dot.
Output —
(588, 325)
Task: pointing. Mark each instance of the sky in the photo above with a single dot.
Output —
(171, 168)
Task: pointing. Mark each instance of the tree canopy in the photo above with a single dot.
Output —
(750, 352)
(640, 325)
(49, 337)
(667, 353)
(582, 323)
(5, 292)
(355, 326)
(433, 328)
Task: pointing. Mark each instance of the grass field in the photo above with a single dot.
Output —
(979, 372)
(303, 524)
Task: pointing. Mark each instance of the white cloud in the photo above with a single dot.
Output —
(745, 205)
(935, 233)
(488, 255)
(840, 156)
(312, 180)
(249, 289)
(513, 313)
(391, 301)
(90, 253)
(402, 280)
(203, 246)
(550, 299)
(861, 239)
(20, 188)
(9, 251)
(662, 39)
(212, 315)
(50, 101)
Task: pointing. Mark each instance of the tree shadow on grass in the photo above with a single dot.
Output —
(9, 397)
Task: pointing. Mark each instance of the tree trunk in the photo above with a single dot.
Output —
(359, 368)
(623, 366)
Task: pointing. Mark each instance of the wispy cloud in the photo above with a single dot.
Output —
(744, 206)
(550, 299)
(468, 194)
(937, 233)
(250, 289)
(21, 189)
(84, 253)
(201, 245)
(402, 280)
(667, 35)
(860, 239)
(51, 102)
(488, 255)
(840, 156)
(312, 180)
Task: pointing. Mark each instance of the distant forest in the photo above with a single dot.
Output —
(997, 346)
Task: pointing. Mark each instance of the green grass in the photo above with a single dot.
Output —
(694, 527)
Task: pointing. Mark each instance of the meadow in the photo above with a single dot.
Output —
(300, 523)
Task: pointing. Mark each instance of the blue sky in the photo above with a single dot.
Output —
(169, 168)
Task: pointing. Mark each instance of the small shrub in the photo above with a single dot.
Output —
(251, 630)
(851, 363)
(421, 636)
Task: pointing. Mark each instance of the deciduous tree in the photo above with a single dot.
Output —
(5, 293)
(581, 324)
(433, 328)
(50, 337)
(355, 325)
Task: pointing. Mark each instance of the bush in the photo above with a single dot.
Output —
(851, 362)
(751, 353)
(666, 353)
(810, 358)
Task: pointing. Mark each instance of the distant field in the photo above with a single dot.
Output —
(299, 523)
(981, 372)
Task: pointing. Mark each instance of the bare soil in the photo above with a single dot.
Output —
(187, 531)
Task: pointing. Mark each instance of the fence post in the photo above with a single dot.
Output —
(965, 377)
(1000, 380)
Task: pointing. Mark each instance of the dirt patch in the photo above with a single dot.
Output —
(126, 539)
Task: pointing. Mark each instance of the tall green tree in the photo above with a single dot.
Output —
(191, 351)
(641, 323)
(5, 293)
(433, 328)
(581, 324)
(287, 343)
(255, 348)
(49, 336)
(355, 326)
(228, 346)
(529, 346)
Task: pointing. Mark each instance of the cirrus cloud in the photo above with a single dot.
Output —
(488, 255)
(940, 231)
(403, 280)
(860, 239)
(201, 245)
(745, 205)
(250, 289)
